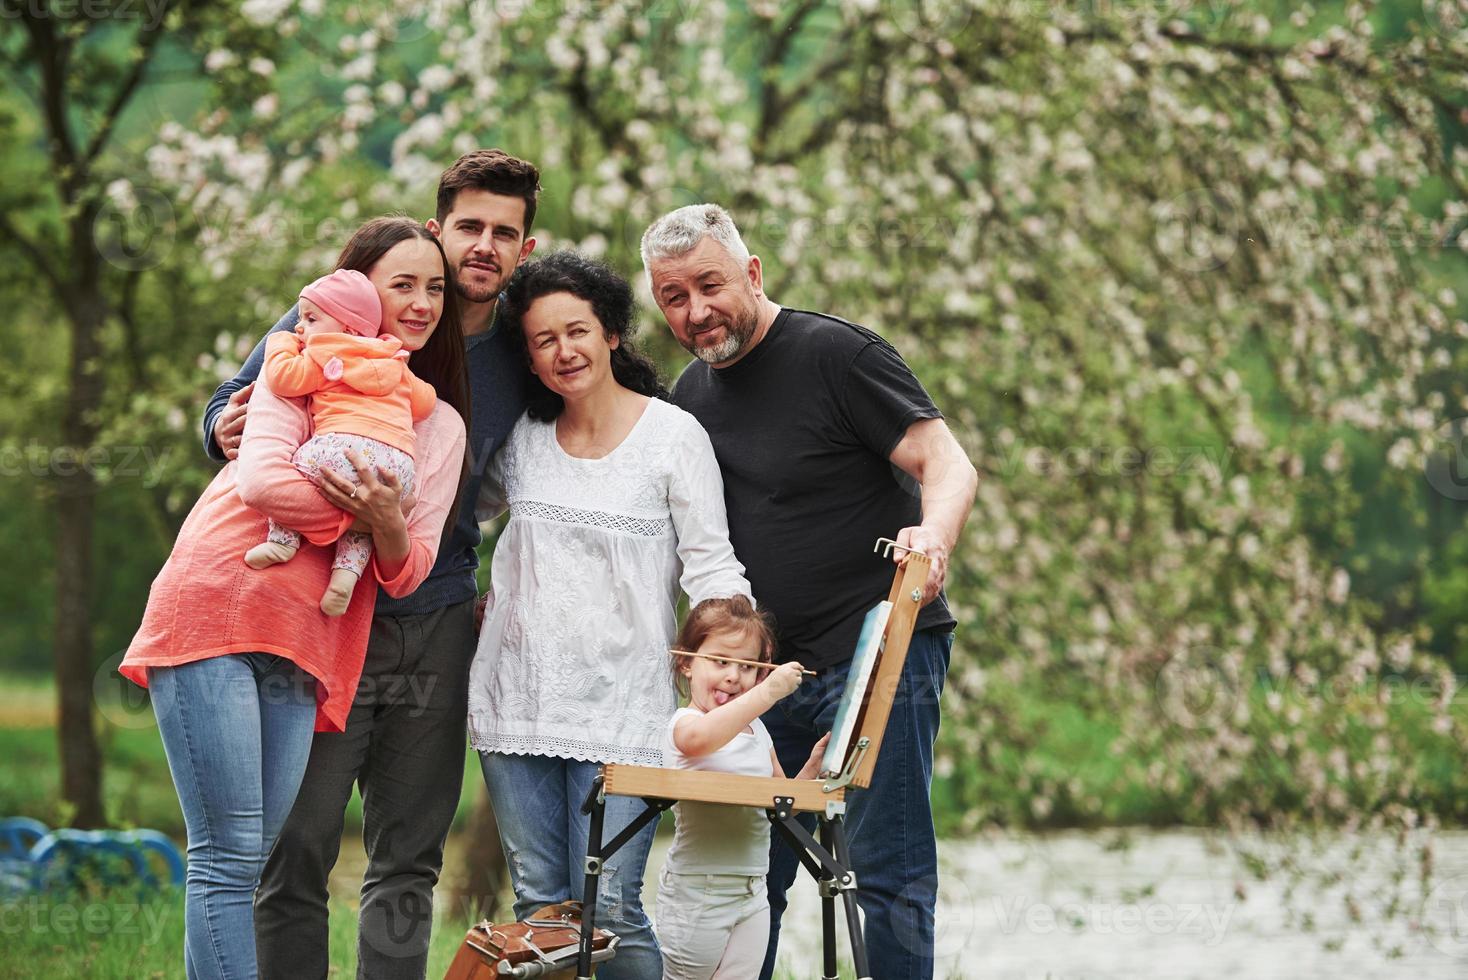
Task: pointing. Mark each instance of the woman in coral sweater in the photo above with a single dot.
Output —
(242, 664)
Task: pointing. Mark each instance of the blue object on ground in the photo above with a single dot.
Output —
(34, 858)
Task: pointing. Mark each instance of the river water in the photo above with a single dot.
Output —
(1179, 905)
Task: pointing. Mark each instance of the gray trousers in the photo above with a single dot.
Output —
(404, 745)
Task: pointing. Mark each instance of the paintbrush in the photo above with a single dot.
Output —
(762, 665)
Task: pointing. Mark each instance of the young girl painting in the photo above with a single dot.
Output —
(713, 916)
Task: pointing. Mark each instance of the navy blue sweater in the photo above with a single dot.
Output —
(496, 398)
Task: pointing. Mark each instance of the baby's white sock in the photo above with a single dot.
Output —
(268, 553)
(338, 594)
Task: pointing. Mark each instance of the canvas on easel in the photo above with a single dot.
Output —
(863, 662)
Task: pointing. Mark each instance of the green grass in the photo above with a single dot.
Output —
(123, 936)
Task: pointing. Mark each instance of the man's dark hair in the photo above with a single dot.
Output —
(494, 171)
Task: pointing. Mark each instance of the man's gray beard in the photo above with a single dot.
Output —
(718, 353)
(735, 340)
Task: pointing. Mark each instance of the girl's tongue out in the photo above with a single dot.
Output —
(722, 697)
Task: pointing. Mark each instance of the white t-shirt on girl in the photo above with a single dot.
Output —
(713, 839)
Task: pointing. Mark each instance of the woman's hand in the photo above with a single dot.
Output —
(408, 503)
(376, 503)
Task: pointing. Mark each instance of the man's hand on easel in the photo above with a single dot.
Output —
(812, 767)
(930, 543)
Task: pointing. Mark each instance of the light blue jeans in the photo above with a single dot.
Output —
(537, 803)
(237, 732)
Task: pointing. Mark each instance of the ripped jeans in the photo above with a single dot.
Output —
(537, 803)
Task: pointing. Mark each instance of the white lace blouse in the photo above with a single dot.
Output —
(573, 655)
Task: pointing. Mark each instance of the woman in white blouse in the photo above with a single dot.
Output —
(615, 503)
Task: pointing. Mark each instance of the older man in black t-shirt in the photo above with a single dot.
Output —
(826, 442)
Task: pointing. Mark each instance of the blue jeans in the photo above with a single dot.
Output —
(237, 732)
(889, 825)
(537, 803)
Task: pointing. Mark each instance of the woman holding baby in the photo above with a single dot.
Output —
(241, 662)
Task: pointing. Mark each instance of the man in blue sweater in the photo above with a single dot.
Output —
(404, 738)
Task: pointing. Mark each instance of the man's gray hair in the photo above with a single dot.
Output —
(678, 232)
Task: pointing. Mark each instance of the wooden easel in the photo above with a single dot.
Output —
(827, 859)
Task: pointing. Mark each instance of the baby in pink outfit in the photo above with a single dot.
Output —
(363, 399)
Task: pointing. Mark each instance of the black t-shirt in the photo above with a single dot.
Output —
(803, 426)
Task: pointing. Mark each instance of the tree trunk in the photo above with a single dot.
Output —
(487, 873)
(81, 760)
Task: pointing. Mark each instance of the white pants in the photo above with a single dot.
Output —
(712, 927)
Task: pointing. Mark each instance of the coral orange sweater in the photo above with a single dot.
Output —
(206, 602)
(358, 385)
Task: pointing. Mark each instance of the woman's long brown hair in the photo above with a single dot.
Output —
(441, 361)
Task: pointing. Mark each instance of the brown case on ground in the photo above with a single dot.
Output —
(543, 946)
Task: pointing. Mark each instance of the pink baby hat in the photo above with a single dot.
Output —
(350, 297)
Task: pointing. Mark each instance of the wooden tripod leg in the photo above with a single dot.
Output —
(828, 910)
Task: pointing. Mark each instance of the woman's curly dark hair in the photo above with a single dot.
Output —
(611, 300)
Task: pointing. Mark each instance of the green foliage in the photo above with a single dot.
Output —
(1054, 757)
